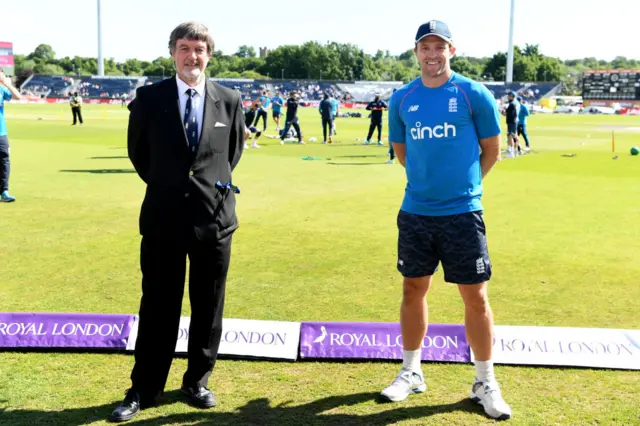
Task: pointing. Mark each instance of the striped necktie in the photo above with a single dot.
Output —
(191, 122)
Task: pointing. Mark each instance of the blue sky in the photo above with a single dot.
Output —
(140, 28)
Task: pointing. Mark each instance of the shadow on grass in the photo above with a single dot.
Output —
(373, 145)
(108, 158)
(256, 412)
(331, 163)
(100, 171)
(361, 156)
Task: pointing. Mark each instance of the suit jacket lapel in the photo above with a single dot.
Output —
(173, 104)
(210, 115)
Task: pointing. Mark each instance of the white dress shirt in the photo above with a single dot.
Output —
(197, 101)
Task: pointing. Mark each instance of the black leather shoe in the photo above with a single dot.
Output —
(128, 408)
(200, 396)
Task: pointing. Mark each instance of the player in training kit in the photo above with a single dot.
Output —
(376, 107)
(522, 123)
(512, 125)
(326, 113)
(291, 118)
(335, 110)
(263, 101)
(7, 91)
(276, 109)
(438, 124)
(249, 116)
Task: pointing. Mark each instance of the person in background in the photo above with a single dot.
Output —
(335, 104)
(511, 114)
(276, 109)
(263, 101)
(76, 108)
(291, 118)
(376, 107)
(249, 116)
(7, 92)
(522, 123)
(326, 112)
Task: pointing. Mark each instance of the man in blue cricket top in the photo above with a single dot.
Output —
(264, 102)
(335, 110)
(523, 113)
(277, 102)
(445, 130)
(7, 91)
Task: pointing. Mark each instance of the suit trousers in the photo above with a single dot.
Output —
(163, 264)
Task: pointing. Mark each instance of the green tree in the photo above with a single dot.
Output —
(229, 74)
(531, 50)
(245, 51)
(43, 52)
(331, 61)
(551, 69)
(50, 69)
(253, 74)
(131, 67)
(525, 68)
(284, 62)
(464, 66)
(496, 67)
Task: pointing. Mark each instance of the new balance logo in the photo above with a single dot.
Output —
(413, 108)
(444, 130)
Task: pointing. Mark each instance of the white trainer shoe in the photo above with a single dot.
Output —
(406, 383)
(488, 395)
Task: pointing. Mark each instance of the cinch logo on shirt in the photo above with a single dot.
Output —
(441, 131)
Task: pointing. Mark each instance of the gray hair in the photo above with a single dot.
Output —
(191, 30)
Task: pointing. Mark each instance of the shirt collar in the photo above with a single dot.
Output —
(183, 87)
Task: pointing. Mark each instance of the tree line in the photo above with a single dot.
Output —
(331, 61)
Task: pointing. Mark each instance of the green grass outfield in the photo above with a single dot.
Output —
(317, 241)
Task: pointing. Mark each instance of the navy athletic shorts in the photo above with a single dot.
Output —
(275, 114)
(458, 241)
(512, 128)
(255, 130)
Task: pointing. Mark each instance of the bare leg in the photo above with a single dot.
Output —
(414, 314)
(478, 319)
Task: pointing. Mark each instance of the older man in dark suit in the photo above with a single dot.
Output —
(185, 137)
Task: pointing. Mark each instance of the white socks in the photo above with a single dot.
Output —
(411, 360)
(484, 371)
